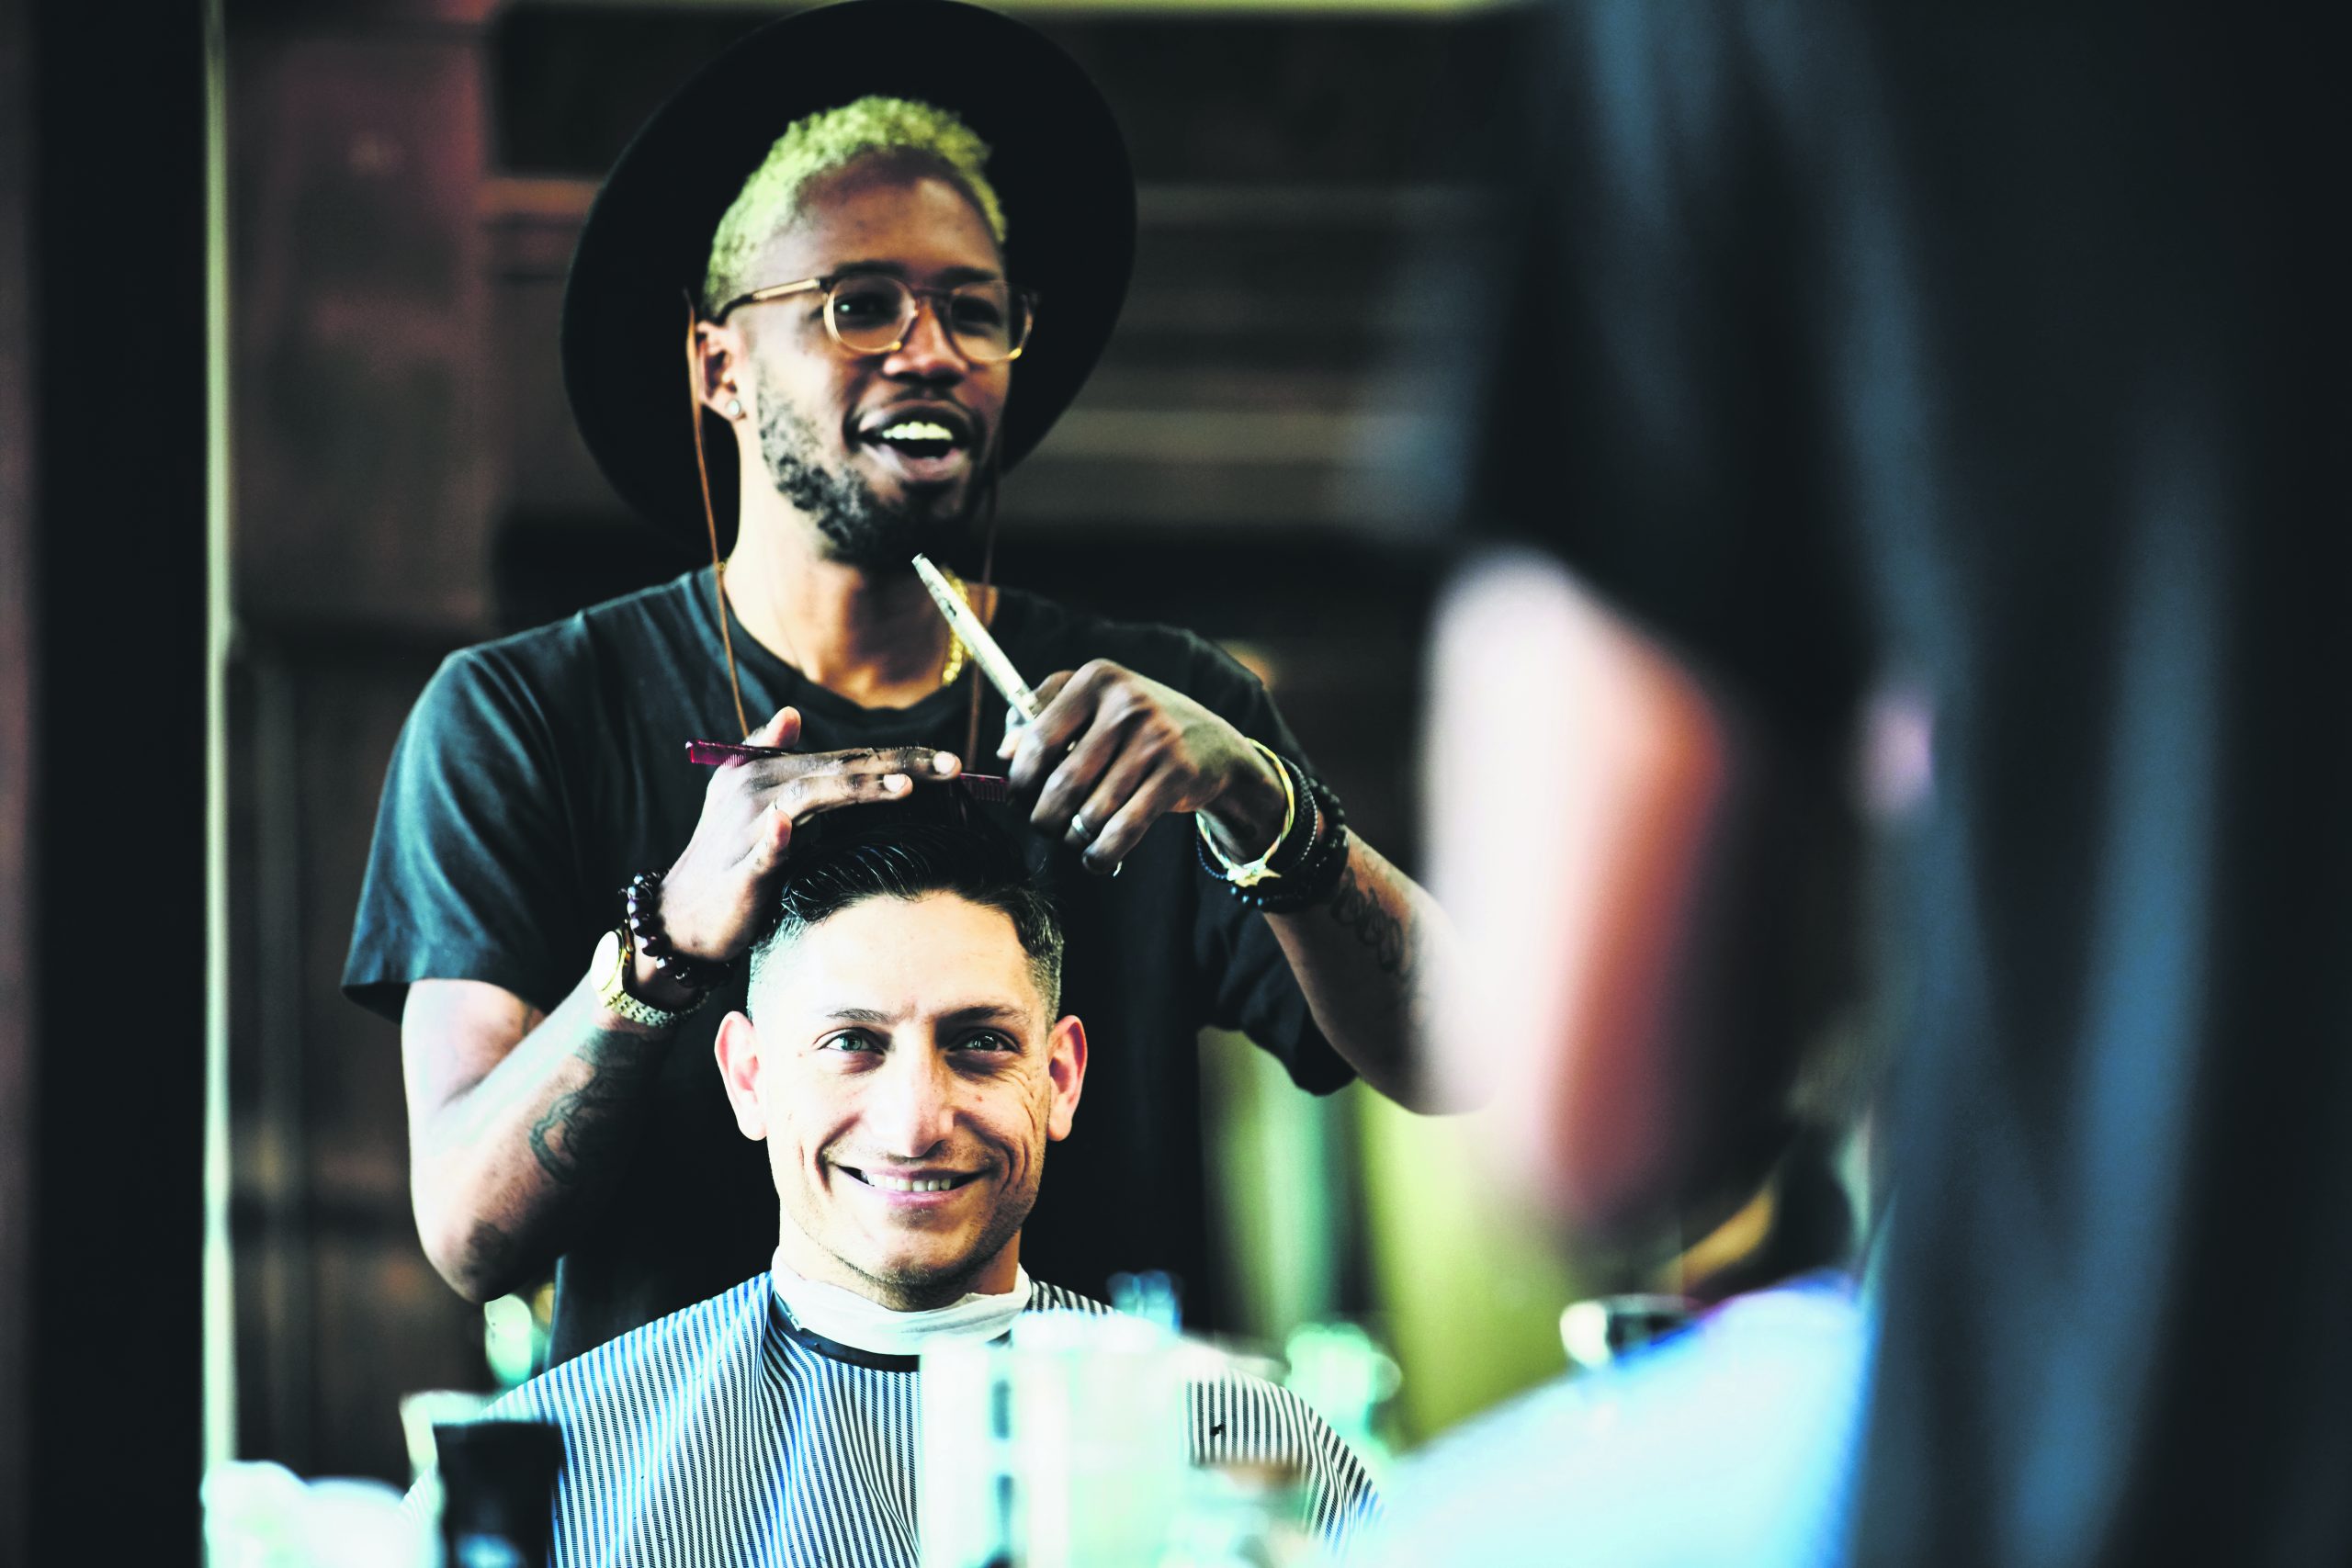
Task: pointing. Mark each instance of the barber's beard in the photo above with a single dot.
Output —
(859, 528)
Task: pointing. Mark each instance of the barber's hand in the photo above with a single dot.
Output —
(713, 896)
(1112, 752)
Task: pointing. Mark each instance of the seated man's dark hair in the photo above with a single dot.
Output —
(906, 851)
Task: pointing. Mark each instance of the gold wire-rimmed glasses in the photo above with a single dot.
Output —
(871, 313)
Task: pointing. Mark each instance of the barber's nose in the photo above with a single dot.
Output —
(928, 353)
(912, 1109)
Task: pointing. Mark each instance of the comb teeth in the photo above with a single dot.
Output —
(993, 788)
(713, 753)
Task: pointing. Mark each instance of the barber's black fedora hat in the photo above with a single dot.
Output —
(1057, 163)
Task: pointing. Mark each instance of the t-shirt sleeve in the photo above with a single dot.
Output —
(472, 875)
(1250, 986)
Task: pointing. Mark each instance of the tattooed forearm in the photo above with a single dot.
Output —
(1366, 960)
(582, 1128)
(1358, 907)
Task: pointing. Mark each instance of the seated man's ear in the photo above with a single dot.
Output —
(738, 1050)
(1066, 1065)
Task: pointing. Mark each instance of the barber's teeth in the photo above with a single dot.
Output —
(917, 1184)
(917, 430)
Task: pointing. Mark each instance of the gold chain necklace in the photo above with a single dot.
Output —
(952, 668)
(955, 665)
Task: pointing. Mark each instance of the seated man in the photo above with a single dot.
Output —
(906, 1065)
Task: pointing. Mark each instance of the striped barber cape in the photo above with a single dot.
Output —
(728, 1435)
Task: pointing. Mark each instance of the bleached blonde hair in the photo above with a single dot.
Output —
(823, 142)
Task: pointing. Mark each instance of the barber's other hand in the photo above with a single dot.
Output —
(713, 895)
(1112, 752)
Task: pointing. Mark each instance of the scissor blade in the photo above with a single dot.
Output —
(974, 636)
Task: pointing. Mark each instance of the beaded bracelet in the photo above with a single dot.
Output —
(1314, 869)
(1325, 866)
(642, 900)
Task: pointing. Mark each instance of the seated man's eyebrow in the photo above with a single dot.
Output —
(972, 1012)
(981, 1012)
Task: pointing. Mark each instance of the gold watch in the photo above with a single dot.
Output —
(610, 969)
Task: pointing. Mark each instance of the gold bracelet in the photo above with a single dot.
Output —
(1251, 873)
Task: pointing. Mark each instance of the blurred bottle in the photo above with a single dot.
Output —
(515, 1332)
(1153, 1296)
(420, 1413)
(264, 1516)
(1344, 1374)
(1598, 1331)
(498, 1491)
(1240, 1517)
(1063, 1448)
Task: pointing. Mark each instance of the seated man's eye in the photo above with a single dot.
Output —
(989, 1040)
(855, 1040)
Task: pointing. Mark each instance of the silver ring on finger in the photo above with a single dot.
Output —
(1077, 821)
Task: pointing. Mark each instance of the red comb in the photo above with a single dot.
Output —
(990, 787)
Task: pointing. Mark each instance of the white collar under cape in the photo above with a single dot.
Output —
(847, 1319)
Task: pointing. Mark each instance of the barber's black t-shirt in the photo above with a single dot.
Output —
(537, 774)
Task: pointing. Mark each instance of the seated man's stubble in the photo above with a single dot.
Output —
(907, 1070)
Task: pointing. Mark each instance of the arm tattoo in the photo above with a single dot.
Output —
(584, 1129)
(1359, 908)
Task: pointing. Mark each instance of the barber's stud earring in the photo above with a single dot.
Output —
(734, 408)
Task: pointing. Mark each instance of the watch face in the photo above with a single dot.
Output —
(606, 965)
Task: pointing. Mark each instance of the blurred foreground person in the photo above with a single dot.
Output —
(848, 273)
(905, 1061)
(1611, 930)
(1992, 360)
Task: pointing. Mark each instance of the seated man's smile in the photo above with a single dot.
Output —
(918, 1184)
